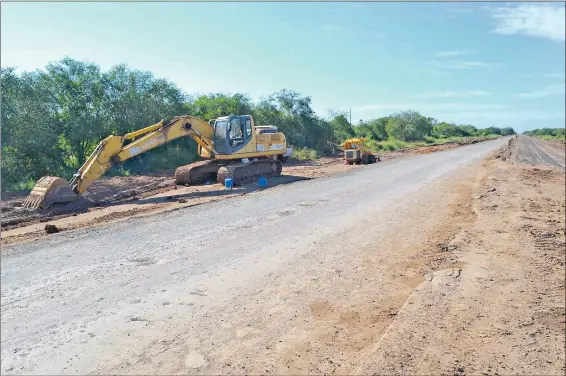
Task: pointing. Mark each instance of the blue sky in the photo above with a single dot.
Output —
(485, 64)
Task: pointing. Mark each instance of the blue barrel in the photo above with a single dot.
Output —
(228, 183)
(262, 182)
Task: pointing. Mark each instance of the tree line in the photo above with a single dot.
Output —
(553, 133)
(52, 119)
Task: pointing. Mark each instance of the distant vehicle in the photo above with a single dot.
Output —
(357, 152)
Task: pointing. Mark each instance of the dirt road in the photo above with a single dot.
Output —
(534, 151)
(316, 277)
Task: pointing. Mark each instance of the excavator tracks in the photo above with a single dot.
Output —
(196, 173)
(243, 173)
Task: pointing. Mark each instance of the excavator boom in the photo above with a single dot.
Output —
(111, 150)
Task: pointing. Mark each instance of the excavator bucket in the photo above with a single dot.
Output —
(50, 190)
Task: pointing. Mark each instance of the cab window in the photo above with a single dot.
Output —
(248, 128)
(236, 132)
(236, 129)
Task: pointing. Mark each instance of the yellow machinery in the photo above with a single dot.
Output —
(356, 152)
(231, 146)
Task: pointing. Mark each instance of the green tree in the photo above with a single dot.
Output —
(490, 131)
(292, 114)
(444, 130)
(212, 106)
(136, 99)
(469, 130)
(409, 126)
(341, 127)
(508, 131)
(30, 124)
(373, 129)
(80, 92)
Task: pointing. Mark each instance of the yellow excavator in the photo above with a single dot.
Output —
(230, 146)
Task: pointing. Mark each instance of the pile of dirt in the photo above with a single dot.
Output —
(101, 194)
(446, 146)
(505, 152)
(557, 142)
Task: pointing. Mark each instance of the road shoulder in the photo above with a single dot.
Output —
(503, 311)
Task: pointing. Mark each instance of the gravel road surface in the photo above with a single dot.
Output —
(534, 151)
(239, 285)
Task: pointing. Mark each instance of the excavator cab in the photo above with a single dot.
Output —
(232, 133)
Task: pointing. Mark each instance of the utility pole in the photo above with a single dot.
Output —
(350, 116)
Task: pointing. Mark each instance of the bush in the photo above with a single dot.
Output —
(305, 154)
(389, 145)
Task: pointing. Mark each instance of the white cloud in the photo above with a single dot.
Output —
(544, 21)
(455, 53)
(468, 64)
(456, 94)
(548, 91)
(446, 64)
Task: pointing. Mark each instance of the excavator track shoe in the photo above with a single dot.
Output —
(196, 173)
(244, 173)
(49, 190)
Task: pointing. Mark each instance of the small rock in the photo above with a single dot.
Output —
(51, 229)
(491, 189)
(182, 201)
(137, 319)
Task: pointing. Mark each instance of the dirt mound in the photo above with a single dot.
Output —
(102, 193)
(505, 152)
(446, 146)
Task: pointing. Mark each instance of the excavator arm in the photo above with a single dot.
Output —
(116, 149)
(112, 151)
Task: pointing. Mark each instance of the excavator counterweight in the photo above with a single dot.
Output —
(230, 147)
